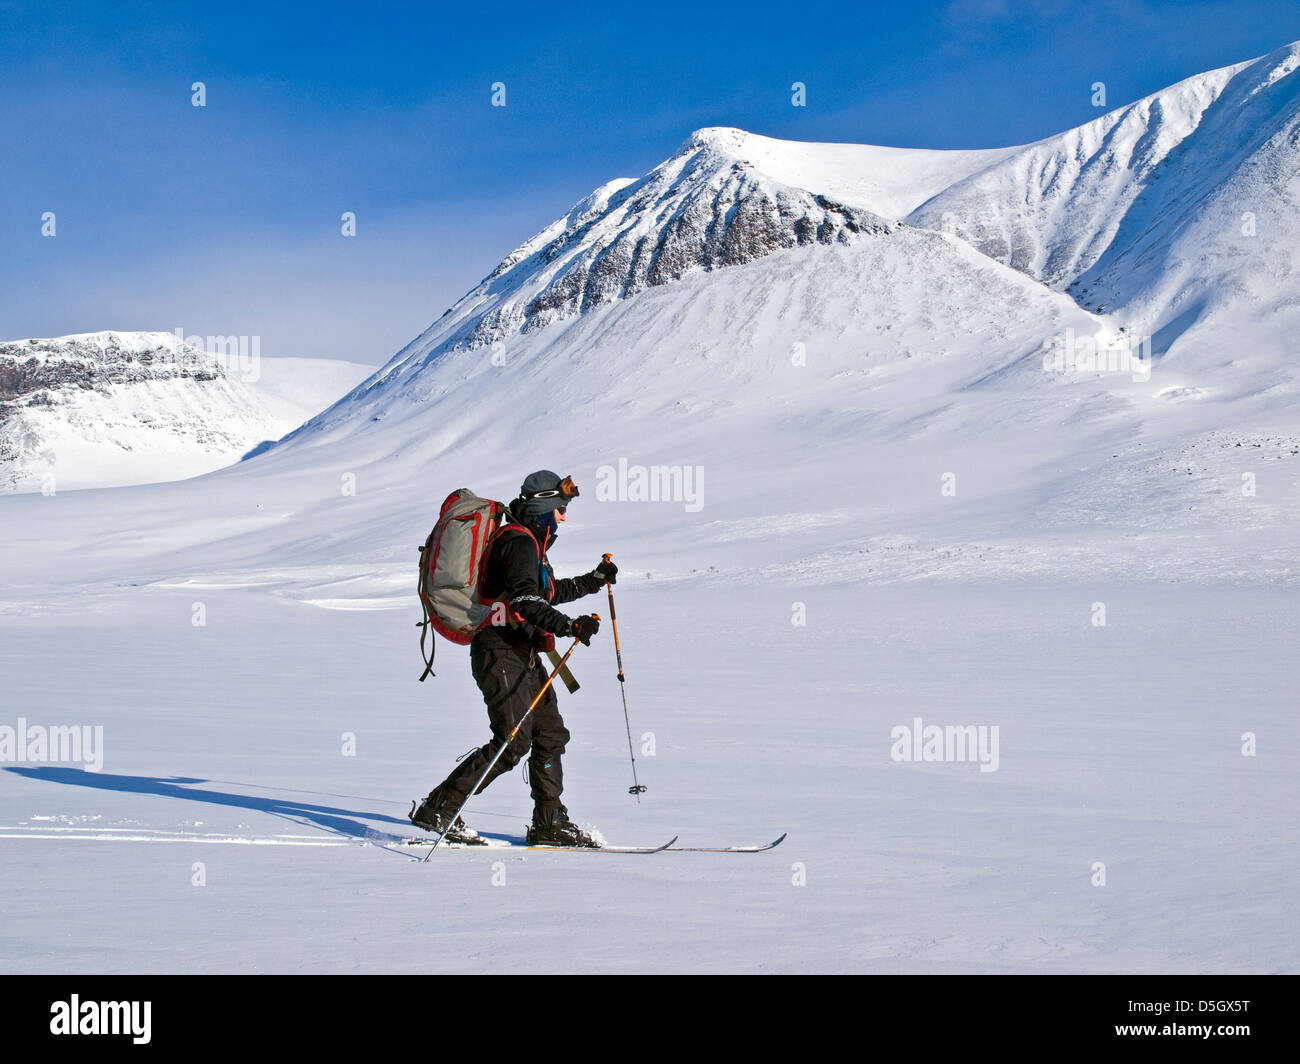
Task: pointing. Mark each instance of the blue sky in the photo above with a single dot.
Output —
(225, 219)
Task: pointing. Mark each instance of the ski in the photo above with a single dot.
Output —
(497, 845)
(729, 849)
(470, 844)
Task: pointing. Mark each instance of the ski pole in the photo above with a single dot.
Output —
(636, 787)
(502, 749)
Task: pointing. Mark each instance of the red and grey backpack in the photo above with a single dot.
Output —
(451, 571)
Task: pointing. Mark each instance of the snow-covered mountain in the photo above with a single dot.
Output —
(755, 303)
(116, 408)
(1172, 218)
(1182, 208)
(707, 207)
(1184, 199)
(726, 198)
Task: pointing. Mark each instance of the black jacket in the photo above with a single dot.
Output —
(529, 586)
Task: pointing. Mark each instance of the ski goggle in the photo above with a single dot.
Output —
(567, 488)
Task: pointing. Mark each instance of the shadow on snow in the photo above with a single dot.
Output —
(338, 821)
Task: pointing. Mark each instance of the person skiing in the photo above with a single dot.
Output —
(504, 659)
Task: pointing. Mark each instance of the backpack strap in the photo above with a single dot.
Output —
(424, 624)
(557, 662)
(428, 658)
(565, 674)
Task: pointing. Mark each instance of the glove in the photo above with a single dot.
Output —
(607, 571)
(584, 628)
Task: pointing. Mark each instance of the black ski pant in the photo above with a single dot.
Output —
(510, 678)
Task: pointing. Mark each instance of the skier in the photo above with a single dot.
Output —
(504, 658)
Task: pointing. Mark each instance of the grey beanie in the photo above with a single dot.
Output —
(545, 491)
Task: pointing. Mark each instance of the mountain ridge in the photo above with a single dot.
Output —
(794, 193)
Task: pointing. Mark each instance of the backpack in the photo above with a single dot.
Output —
(451, 566)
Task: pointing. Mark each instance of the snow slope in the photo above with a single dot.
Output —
(1050, 209)
(296, 389)
(1177, 211)
(891, 182)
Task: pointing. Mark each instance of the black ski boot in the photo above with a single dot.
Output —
(552, 827)
(430, 818)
